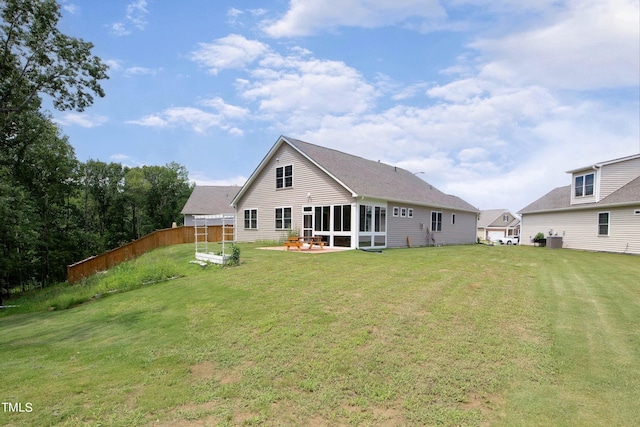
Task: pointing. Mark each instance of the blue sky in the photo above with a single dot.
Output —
(492, 99)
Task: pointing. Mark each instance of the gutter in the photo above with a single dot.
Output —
(584, 207)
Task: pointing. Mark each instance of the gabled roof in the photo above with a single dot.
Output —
(488, 217)
(560, 199)
(210, 199)
(367, 178)
(605, 163)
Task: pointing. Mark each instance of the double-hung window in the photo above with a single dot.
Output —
(283, 218)
(436, 221)
(603, 224)
(584, 185)
(284, 176)
(251, 218)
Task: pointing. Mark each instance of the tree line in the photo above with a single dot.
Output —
(55, 209)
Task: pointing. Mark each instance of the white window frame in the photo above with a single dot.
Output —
(283, 218)
(608, 224)
(282, 181)
(410, 213)
(583, 186)
(251, 211)
(453, 218)
(436, 229)
(396, 211)
(403, 212)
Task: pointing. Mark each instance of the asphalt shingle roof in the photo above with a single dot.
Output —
(210, 199)
(560, 198)
(378, 180)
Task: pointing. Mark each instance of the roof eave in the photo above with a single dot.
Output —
(583, 207)
(429, 205)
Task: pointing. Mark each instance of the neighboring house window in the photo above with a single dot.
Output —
(603, 224)
(436, 221)
(584, 185)
(505, 218)
(284, 176)
(251, 218)
(403, 212)
(283, 218)
(410, 213)
(342, 218)
(453, 218)
(396, 211)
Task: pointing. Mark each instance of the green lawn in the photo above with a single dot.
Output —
(466, 335)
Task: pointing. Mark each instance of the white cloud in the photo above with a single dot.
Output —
(196, 119)
(307, 88)
(72, 8)
(306, 17)
(135, 16)
(202, 178)
(592, 45)
(119, 29)
(232, 51)
(141, 71)
(125, 160)
(114, 64)
(226, 110)
(81, 119)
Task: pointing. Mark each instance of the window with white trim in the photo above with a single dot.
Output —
(603, 223)
(283, 218)
(410, 213)
(403, 212)
(453, 219)
(584, 185)
(251, 219)
(396, 211)
(436, 221)
(342, 218)
(284, 176)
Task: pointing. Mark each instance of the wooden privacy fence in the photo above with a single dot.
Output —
(157, 239)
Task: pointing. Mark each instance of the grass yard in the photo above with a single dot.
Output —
(466, 335)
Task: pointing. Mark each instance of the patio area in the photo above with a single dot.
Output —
(305, 249)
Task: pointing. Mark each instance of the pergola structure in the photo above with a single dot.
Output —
(201, 229)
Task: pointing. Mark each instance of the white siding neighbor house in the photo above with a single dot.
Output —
(599, 211)
(346, 200)
(209, 200)
(494, 224)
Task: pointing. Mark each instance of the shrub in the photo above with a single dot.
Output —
(538, 237)
(235, 256)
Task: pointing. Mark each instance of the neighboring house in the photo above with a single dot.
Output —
(209, 200)
(495, 224)
(347, 200)
(599, 211)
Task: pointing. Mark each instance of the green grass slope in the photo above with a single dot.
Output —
(466, 335)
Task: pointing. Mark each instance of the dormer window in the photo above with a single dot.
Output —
(284, 176)
(584, 185)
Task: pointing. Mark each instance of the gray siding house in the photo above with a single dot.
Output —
(599, 211)
(347, 200)
(494, 224)
(209, 200)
